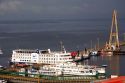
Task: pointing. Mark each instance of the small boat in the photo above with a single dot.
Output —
(1, 66)
(1, 52)
(3, 81)
(93, 53)
(83, 55)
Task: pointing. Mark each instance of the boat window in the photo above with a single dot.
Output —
(90, 71)
(66, 55)
(44, 52)
(87, 71)
(82, 71)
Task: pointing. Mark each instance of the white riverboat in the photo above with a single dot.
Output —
(40, 56)
(71, 69)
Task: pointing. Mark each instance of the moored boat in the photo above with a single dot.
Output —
(40, 56)
(1, 52)
(71, 69)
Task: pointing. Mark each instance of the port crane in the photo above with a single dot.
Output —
(113, 44)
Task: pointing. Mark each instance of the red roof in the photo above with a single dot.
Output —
(120, 79)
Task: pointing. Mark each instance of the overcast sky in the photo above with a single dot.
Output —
(39, 9)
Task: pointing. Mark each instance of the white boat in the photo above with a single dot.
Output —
(70, 69)
(3, 81)
(85, 53)
(82, 56)
(33, 73)
(1, 52)
(1, 66)
(93, 53)
(40, 56)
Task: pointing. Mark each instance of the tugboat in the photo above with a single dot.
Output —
(80, 56)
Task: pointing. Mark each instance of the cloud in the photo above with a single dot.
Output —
(45, 8)
(9, 6)
(59, 8)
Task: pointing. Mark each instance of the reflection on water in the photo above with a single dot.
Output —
(114, 63)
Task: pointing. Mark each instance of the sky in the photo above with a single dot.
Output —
(47, 9)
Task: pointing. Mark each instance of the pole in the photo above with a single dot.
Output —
(61, 46)
(95, 47)
(91, 44)
(98, 43)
